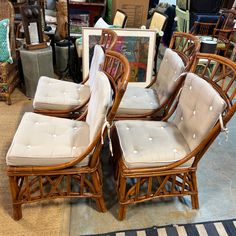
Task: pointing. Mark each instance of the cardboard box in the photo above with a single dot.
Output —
(136, 11)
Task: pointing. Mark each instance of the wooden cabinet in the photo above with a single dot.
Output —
(94, 8)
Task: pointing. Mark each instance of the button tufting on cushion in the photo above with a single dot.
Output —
(155, 153)
(61, 95)
(194, 107)
(39, 145)
(168, 75)
(138, 100)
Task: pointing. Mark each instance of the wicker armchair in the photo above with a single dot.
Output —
(69, 98)
(154, 101)
(156, 159)
(60, 152)
(9, 77)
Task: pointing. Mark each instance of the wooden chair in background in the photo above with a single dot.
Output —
(156, 159)
(158, 22)
(120, 19)
(49, 154)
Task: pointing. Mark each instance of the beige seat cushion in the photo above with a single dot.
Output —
(53, 94)
(150, 143)
(137, 100)
(43, 140)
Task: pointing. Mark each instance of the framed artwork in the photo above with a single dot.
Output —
(136, 44)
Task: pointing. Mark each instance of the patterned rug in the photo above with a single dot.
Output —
(213, 228)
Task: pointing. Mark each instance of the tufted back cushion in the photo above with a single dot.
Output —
(198, 109)
(97, 60)
(171, 68)
(100, 101)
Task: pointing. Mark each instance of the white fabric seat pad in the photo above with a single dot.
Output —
(53, 94)
(150, 143)
(44, 140)
(137, 100)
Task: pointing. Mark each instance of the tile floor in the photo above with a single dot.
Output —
(217, 197)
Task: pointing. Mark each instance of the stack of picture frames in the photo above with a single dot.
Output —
(137, 45)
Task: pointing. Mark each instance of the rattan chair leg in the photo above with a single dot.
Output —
(8, 100)
(194, 198)
(121, 192)
(122, 212)
(98, 188)
(17, 211)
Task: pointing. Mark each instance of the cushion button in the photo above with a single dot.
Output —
(135, 151)
(150, 139)
(190, 87)
(37, 123)
(127, 128)
(74, 147)
(210, 108)
(181, 118)
(194, 112)
(28, 146)
(194, 136)
(54, 135)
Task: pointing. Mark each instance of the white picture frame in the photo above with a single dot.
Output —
(138, 45)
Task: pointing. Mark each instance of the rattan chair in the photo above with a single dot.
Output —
(52, 157)
(154, 101)
(156, 159)
(9, 77)
(65, 99)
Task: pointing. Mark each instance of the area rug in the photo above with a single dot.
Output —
(43, 218)
(213, 228)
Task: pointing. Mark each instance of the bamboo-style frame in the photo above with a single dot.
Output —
(107, 41)
(9, 75)
(186, 46)
(136, 185)
(35, 183)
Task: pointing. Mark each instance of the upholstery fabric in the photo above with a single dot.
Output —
(170, 69)
(99, 103)
(45, 140)
(198, 109)
(137, 100)
(56, 94)
(97, 60)
(155, 143)
(150, 143)
(5, 55)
